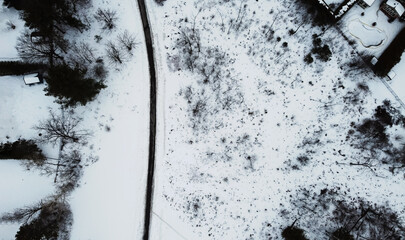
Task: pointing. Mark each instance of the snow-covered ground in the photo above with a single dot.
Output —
(110, 202)
(8, 35)
(228, 174)
(19, 188)
(227, 150)
(21, 108)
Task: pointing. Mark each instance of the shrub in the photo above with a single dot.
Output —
(293, 233)
(127, 41)
(19, 68)
(160, 2)
(322, 53)
(99, 71)
(303, 160)
(114, 54)
(107, 17)
(71, 87)
(374, 131)
(308, 58)
(21, 149)
(10, 25)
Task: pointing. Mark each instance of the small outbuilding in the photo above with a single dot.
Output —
(391, 75)
(31, 79)
(374, 61)
(393, 9)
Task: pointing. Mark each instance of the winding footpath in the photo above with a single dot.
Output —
(152, 118)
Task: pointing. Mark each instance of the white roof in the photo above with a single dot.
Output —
(397, 6)
(392, 74)
(374, 60)
(369, 2)
(31, 78)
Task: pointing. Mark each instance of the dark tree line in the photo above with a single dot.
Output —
(391, 56)
(372, 138)
(48, 22)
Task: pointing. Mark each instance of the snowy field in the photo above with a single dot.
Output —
(228, 151)
(243, 123)
(21, 107)
(371, 39)
(8, 35)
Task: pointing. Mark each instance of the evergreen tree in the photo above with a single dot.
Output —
(293, 233)
(70, 86)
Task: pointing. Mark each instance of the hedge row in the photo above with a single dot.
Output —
(391, 56)
(21, 149)
(19, 68)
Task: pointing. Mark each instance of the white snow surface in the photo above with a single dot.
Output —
(8, 36)
(110, 202)
(21, 107)
(227, 176)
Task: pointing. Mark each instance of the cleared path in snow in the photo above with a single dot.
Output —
(152, 117)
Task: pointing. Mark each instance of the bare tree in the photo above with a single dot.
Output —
(108, 18)
(62, 128)
(33, 48)
(82, 55)
(50, 218)
(114, 54)
(127, 41)
(10, 25)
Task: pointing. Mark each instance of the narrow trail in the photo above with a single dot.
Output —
(152, 118)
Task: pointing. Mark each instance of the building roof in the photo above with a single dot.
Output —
(374, 61)
(31, 79)
(392, 74)
(397, 6)
(369, 2)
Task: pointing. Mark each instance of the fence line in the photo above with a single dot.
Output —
(170, 226)
(392, 92)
